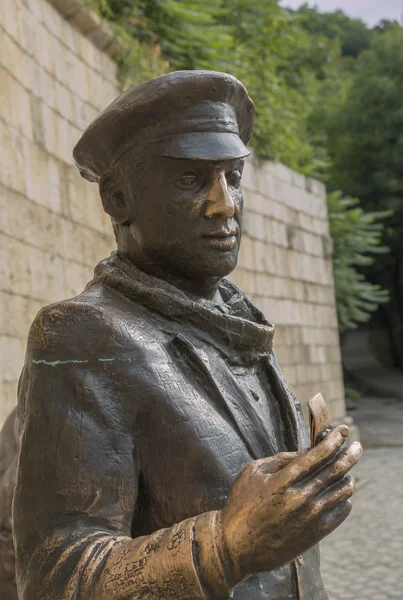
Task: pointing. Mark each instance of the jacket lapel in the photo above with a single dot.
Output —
(224, 390)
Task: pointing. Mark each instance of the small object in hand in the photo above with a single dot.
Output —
(319, 419)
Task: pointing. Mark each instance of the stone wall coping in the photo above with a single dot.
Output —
(90, 25)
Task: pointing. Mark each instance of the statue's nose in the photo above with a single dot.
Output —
(220, 202)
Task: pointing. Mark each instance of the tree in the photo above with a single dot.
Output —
(366, 147)
(353, 34)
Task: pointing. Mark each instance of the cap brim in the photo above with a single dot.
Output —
(209, 145)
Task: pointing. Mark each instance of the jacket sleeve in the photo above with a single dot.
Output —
(78, 477)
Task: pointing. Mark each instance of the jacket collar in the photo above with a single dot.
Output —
(237, 329)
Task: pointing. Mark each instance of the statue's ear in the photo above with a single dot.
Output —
(113, 199)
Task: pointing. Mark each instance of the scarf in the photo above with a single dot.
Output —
(237, 328)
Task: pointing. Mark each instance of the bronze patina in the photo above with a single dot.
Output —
(163, 456)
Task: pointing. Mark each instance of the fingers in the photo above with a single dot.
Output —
(333, 472)
(313, 459)
(333, 519)
(273, 464)
(339, 493)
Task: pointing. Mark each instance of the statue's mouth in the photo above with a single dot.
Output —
(222, 233)
(223, 239)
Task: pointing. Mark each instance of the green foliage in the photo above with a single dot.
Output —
(357, 238)
(138, 60)
(353, 35)
(364, 139)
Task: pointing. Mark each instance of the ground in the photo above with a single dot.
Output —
(363, 559)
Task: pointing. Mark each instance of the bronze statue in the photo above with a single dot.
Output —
(162, 454)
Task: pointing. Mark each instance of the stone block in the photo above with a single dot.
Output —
(84, 203)
(290, 374)
(53, 20)
(319, 227)
(12, 352)
(63, 103)
(76, 277)
(62, 148)
(279, 171)
(315, 187)
(12, 19)
(79, 113)
(90, 53)
(337, 409)
(266, 184)
(32, 272)
(101, 38)
(280, 264)
(298, 180)
(43, 177)
(245, 280)
(36, 8)
(66, 8)
(47, 90)
(254, 225)
(84, 20)
(8, 396)
(46, 276)
(48, 51)
(98, 95)
(90, 112)
(18, 61)
(75, 77)
(15, 104)
(294, 238)
(249, 178)
(17, 314)
(246, 255)
(12, 161)
(45, 124)
(259, 249)
(284, 356)
(109, 69)
(30, 223)
(279, 233)
(317, 354)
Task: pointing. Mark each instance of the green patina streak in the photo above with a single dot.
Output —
(57, 363)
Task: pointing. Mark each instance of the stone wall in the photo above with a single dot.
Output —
(56, 75)
(54, 81)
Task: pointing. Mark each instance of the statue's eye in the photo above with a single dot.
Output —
(234, 178)
(187, 181)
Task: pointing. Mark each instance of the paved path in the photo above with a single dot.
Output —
(363, 559)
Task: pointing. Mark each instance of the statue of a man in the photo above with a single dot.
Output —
(163, 455)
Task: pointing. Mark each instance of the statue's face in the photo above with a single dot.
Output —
(186, 214)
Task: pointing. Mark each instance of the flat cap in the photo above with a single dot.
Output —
(204, 115)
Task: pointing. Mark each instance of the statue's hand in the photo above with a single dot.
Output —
(280, 507)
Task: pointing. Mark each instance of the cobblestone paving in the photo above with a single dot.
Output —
(363, 559)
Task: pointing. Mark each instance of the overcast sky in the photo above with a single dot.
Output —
(371, 11)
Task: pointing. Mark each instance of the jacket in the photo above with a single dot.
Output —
(134, 420)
